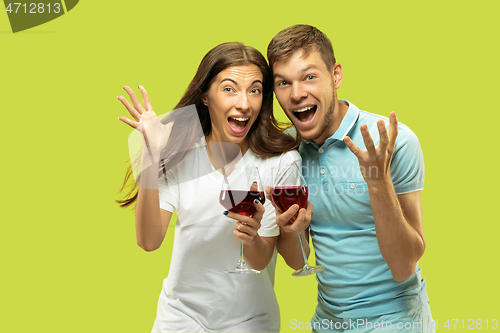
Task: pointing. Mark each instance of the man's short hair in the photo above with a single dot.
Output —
(297, 37)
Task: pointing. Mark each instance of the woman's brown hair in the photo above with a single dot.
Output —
(265, 137)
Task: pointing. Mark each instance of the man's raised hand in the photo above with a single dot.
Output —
(375, 162)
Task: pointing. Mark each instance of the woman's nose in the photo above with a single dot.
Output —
(242, 102)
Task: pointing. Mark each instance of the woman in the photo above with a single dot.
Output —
(232, 95)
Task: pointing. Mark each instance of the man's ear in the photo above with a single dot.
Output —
(337, 75)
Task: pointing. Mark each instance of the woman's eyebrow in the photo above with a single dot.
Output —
(236, 83)
(228, 79)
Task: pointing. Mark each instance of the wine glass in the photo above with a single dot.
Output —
(289, 188)
(240, 187)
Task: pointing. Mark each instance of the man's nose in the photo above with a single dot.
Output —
(298, 92)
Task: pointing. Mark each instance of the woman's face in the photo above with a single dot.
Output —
(234, 99)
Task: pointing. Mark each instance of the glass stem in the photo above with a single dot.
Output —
(242, 261)
(302, 248)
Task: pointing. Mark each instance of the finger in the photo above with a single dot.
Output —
(246, 220)
(270, 198)
(382, 131)
(393, 128)
(242, 236)
(309, 212)
(352, 147)
(285, 218)
(145, 99)
(370, 146)
(246, 229)
(267, 190)
(300, 222)
(129, 122)
(238, 217)
(129, 107)
(135, 102)
(254, 187)
(257, 216)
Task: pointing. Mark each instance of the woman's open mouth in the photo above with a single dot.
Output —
(305, 114)
(237, 124)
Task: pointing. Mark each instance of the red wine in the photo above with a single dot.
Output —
(241, 202)
(285, 197)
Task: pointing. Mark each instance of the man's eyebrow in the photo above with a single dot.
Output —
(236, 83)
(304, 70)
(308, 68)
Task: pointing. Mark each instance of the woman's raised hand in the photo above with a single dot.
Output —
(155, 134)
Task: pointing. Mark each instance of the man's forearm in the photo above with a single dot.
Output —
(289, 248)
(399, 242)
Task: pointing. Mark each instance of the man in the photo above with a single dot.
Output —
(364, 184)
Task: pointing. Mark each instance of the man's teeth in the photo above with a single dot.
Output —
(307, 108)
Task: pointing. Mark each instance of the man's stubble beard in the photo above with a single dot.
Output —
(327, 120)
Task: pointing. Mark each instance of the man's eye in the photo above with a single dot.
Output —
(309, 77)
(282, 83)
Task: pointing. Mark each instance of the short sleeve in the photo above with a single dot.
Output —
(407, 166)
(169, 192)
(269, 228)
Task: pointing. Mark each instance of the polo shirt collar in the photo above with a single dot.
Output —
(346, 125)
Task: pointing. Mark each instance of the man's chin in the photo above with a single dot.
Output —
(310, 135)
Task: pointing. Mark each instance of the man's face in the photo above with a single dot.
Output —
(306, 91)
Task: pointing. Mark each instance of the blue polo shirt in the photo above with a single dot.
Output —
(357, 282)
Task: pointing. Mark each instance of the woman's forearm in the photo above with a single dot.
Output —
(150, 224)
(259, 253)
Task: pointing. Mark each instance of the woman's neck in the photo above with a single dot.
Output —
(222, 153)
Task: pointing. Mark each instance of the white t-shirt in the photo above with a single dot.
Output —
(197, 295)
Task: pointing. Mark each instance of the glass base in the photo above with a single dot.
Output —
(242, 269)
(308, 270)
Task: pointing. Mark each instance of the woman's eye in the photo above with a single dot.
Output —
(255, 91)
(228, 89)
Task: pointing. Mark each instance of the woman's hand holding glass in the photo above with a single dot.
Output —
(248, 226)
(242, 196)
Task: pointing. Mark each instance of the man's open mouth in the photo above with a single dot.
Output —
(305, 114)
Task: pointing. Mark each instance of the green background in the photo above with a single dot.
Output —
(69, 260)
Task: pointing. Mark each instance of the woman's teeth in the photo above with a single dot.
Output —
(238, 123)
(239, 119)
